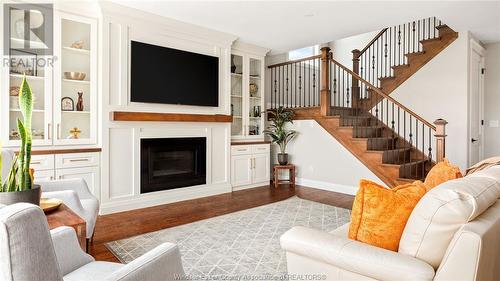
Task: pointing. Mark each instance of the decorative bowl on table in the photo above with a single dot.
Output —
(74, 75)
(50, 204)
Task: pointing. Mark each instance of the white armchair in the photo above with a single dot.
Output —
(76, 195)
(30, 252)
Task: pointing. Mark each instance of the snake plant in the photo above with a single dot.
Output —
(20, 177)
(279, 117)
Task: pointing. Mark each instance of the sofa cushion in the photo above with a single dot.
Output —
(379, 214)
(443, 210)
(440, 173)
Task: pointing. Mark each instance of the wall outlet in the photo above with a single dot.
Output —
(494, 123)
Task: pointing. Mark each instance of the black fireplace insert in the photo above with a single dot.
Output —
(168, 163)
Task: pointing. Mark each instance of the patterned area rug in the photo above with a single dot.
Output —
(236, 244)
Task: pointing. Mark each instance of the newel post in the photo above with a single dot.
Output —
(355, 83)
(325, 83)
(440, 139)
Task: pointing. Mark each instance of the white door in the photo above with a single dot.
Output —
(261, 168)
(241, 170)
(89, 174)
(476, 107)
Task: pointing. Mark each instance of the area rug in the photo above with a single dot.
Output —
(236, 244)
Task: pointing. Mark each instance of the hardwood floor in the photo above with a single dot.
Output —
(126, 224)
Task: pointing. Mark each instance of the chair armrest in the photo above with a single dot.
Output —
(78, 185)
(161, 263)
(70, 199)
(354, 256)
(69, 254)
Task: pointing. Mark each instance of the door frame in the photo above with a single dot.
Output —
(475, 46)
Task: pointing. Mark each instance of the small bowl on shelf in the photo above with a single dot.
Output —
(74, 75)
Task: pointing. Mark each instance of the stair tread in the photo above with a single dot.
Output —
(400, 66)
(437, 39)
(415, 54)
(415, 162)
(387, 78)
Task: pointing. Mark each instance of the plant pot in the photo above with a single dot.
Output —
(283, 158)
(28, 196)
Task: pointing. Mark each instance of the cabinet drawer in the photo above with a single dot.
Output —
(75, 160)
(241, 150)
(42, 162)
(261, 148)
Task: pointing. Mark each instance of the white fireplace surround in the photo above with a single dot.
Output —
(124, 165)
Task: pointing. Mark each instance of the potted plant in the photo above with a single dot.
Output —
(19, 186)
(279, 117)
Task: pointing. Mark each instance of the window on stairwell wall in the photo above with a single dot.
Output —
(303, 52)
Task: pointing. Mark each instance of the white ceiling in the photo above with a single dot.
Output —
(287, 25)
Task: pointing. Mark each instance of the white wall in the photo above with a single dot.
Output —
(492, 100)
(342, 49)
(440, 90)
(322, 162)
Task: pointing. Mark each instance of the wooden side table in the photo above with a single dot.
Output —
(64, 216)
(291, 172)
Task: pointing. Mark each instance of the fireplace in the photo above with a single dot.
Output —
(168, 163)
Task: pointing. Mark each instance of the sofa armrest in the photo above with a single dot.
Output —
(354, 256)
(78, 185)
(69, 254)
(161, 263)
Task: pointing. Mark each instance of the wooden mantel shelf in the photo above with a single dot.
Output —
(168, 117)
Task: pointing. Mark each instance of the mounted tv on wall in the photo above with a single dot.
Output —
(170, 76)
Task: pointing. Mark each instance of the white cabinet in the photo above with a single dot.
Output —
(250, 165)
(68, 166)
(247, 91)
(57, 120)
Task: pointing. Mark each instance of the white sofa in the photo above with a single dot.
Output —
(453, 234)
(30, 252)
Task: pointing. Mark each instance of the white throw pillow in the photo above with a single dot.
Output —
(443, 210)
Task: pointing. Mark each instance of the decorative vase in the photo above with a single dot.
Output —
(79, 104)
(233, 66)
(31, 196)
(283, 158)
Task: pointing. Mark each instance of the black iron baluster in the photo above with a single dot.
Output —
(314, 81)
(399, 45)
(430, 144)
(411, 141)
(423, 153)
(414, 36)
(286, 87)
(385, 54)
(416, 147)
(399, 124)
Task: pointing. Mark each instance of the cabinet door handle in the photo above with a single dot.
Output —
(58, 131)
(60, 177)
(36, 162)
(49, 133)
(79, 160)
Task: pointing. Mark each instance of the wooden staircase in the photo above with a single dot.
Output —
(354, 106)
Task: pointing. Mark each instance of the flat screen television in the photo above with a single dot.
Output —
(171, 76)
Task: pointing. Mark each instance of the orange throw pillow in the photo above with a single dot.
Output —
(379, 214)
(441, 172)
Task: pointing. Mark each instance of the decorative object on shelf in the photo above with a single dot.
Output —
(233, 65)
(253, 89)
(50, 204)
(79, 103)
(279, 117)
(71, 75)
(67, 104)
(74, 133)
(77, 44)
(256, 111)
(38, 134)
(14, 134)
(14, 91)
(19, 186)
(23, 62)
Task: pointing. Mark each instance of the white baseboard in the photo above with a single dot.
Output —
(340, 188)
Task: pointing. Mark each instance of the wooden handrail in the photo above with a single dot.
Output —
(295, 61)
(379, 92)
(373, 40)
